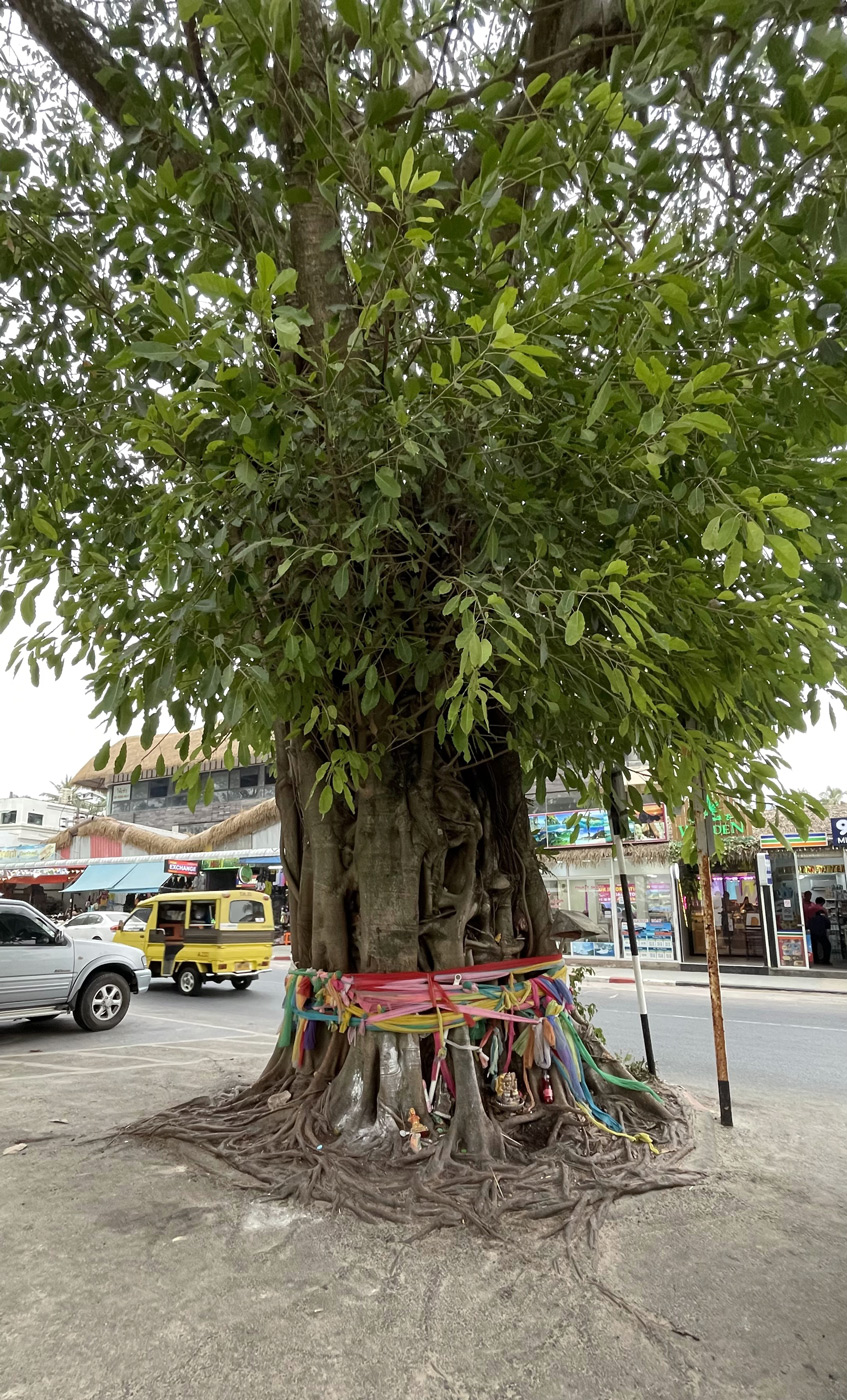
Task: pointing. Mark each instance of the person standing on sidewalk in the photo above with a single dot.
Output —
(818, 926)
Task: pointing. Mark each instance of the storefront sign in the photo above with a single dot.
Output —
(122, 792)
(791, 838)
(182, 867)
(839, 830)
(791, 948)
(592, 827)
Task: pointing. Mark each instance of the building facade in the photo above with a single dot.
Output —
(154, 800)
(28, 823)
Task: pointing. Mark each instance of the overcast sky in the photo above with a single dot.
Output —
(48, 736)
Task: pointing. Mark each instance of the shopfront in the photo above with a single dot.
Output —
(587, 882)
(811, 866)
(736, 903)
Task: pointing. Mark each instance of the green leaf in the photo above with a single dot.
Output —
(791, 518)
(424, 181)
(755, 536)
(785, 554)
(732, 566)
(187, 9)
(12, 160)
(406, 169)
(388, 483)
(387, 177)
(101, 758)
(28, 609)
(652, 420)
(325, 801)
(212, 284)
(44, 527)
(518, 386)
(120, 759)
(674, 297)
(575, 628)
(710, 375)
(598, 406)
(537, 84)
(351, 15)
(265, 271)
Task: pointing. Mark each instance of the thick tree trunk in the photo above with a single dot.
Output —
(436, 868)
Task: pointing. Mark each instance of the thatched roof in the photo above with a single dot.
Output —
(164, 843)
(164, 746)
(636, 852)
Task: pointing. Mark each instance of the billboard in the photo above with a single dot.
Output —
(592, 827)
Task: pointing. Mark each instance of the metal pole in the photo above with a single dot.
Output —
(617, 813)
(705, 845)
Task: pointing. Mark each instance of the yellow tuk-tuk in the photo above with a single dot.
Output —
(209, 935)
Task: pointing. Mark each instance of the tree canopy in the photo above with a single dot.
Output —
(378, 369)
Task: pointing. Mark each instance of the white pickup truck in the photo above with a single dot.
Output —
(44, 972)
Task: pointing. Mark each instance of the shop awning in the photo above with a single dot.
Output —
(33, 875)
(101, 877)
(144, 878)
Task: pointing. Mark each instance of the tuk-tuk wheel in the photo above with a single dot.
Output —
(189, 980)
(242, 983)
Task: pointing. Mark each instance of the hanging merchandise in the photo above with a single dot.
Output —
(546, 1088)
(520, 994)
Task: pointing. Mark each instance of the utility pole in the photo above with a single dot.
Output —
(705, 850)
(617, 813)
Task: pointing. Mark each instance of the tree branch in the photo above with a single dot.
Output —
(64, 33)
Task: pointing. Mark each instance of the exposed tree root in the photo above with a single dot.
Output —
(490, 1170)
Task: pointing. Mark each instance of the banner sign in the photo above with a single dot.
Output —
(554, 830)
(182, 867)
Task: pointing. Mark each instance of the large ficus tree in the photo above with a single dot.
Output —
(433, 395)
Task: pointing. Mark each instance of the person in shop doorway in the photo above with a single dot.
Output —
(810, 909)
(818, 926)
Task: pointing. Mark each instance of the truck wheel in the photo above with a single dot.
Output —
(189, 980)
(102, 1003)
(242, 983)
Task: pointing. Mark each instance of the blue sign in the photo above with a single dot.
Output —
(839, 830)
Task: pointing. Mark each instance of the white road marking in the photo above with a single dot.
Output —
(738, 1021)
(206, 1025)
(120, 1069)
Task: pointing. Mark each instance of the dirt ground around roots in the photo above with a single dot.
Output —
(127, 1273)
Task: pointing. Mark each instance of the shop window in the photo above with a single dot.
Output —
(158, 787)
(8, 818)
(248, 778)
(35, 819)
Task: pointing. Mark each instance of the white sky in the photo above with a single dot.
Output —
(47, 735)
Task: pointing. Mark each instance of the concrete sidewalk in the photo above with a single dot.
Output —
(737, 981)
(129, 1274)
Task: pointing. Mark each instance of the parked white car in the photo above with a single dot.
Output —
(96, 923)
(44, 972)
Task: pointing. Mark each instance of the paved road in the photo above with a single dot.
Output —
(776, 1040)
(160, 1027)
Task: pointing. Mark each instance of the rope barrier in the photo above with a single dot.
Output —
(528, 998)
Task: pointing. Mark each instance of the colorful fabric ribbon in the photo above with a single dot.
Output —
(529, 997)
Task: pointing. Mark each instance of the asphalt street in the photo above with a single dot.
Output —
(776, 1041)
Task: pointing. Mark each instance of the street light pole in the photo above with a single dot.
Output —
(617, 815)
(705, 850)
